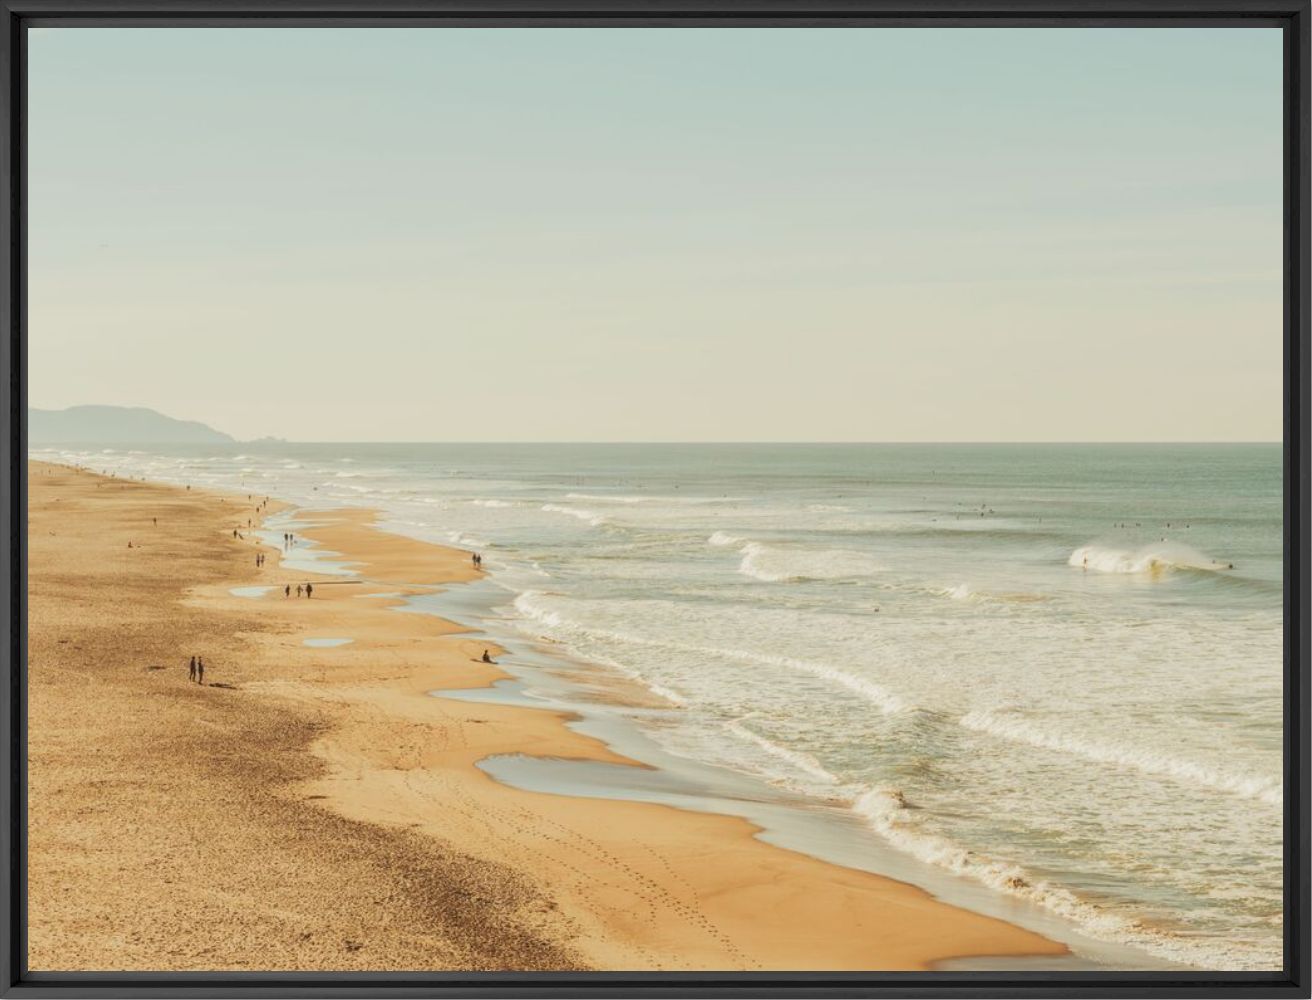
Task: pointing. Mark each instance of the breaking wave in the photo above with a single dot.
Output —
(887, 812)
(1155, 558)
(529, 606)
(772, 564)
(591, 517)
(803, 762)
(1018, 729)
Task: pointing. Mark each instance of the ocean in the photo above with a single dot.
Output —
(1051, 670)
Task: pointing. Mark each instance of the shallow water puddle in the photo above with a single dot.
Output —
(254, 592)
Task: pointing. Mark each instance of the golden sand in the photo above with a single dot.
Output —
(318, 809)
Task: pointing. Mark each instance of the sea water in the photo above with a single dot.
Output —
(1052, 669)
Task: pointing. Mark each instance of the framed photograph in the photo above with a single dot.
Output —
(692, 497)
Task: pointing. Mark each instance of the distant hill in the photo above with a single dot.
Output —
(115, 425)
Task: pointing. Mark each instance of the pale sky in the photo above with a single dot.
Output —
(681, 234)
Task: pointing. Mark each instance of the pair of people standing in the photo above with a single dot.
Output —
(478, 561)
(196, 672)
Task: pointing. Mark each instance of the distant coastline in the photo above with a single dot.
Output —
(117, 425)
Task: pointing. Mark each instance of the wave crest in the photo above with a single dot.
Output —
(1155, 558)
(592, 517)
(1020, 730)
(779, 565)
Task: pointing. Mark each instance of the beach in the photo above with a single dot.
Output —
(316, 807)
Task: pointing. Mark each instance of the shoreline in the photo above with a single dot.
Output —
(611, 707)
(613, 884)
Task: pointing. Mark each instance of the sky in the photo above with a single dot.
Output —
(661, 234)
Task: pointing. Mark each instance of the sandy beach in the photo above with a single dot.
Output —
(319, 809)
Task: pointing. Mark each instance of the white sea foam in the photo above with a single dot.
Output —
(460, 538)
(725, 540)
(1155, 558)
(803, 762)
(778, 564)
(648, 498)
(491, 503)
(529, 605)
(592, 517)
(1013, 727)
(887, 811)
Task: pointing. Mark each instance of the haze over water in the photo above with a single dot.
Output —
(1054, 669)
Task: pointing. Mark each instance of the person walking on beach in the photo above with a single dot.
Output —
(287, 590)
(298, 590)
(191, 670)
(200, 670)
(309, 590)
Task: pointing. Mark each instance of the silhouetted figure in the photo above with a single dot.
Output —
(200, 670)
(486, 657)
(298, 590)
(191, 670)
(309, 590)
(287, 590)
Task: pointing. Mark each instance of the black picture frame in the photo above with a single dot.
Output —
(1292, 17)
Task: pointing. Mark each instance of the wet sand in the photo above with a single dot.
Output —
(317, 808)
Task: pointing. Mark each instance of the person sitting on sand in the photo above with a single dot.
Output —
(486, 657)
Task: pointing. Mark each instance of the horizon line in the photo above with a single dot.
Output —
(1016, 441)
